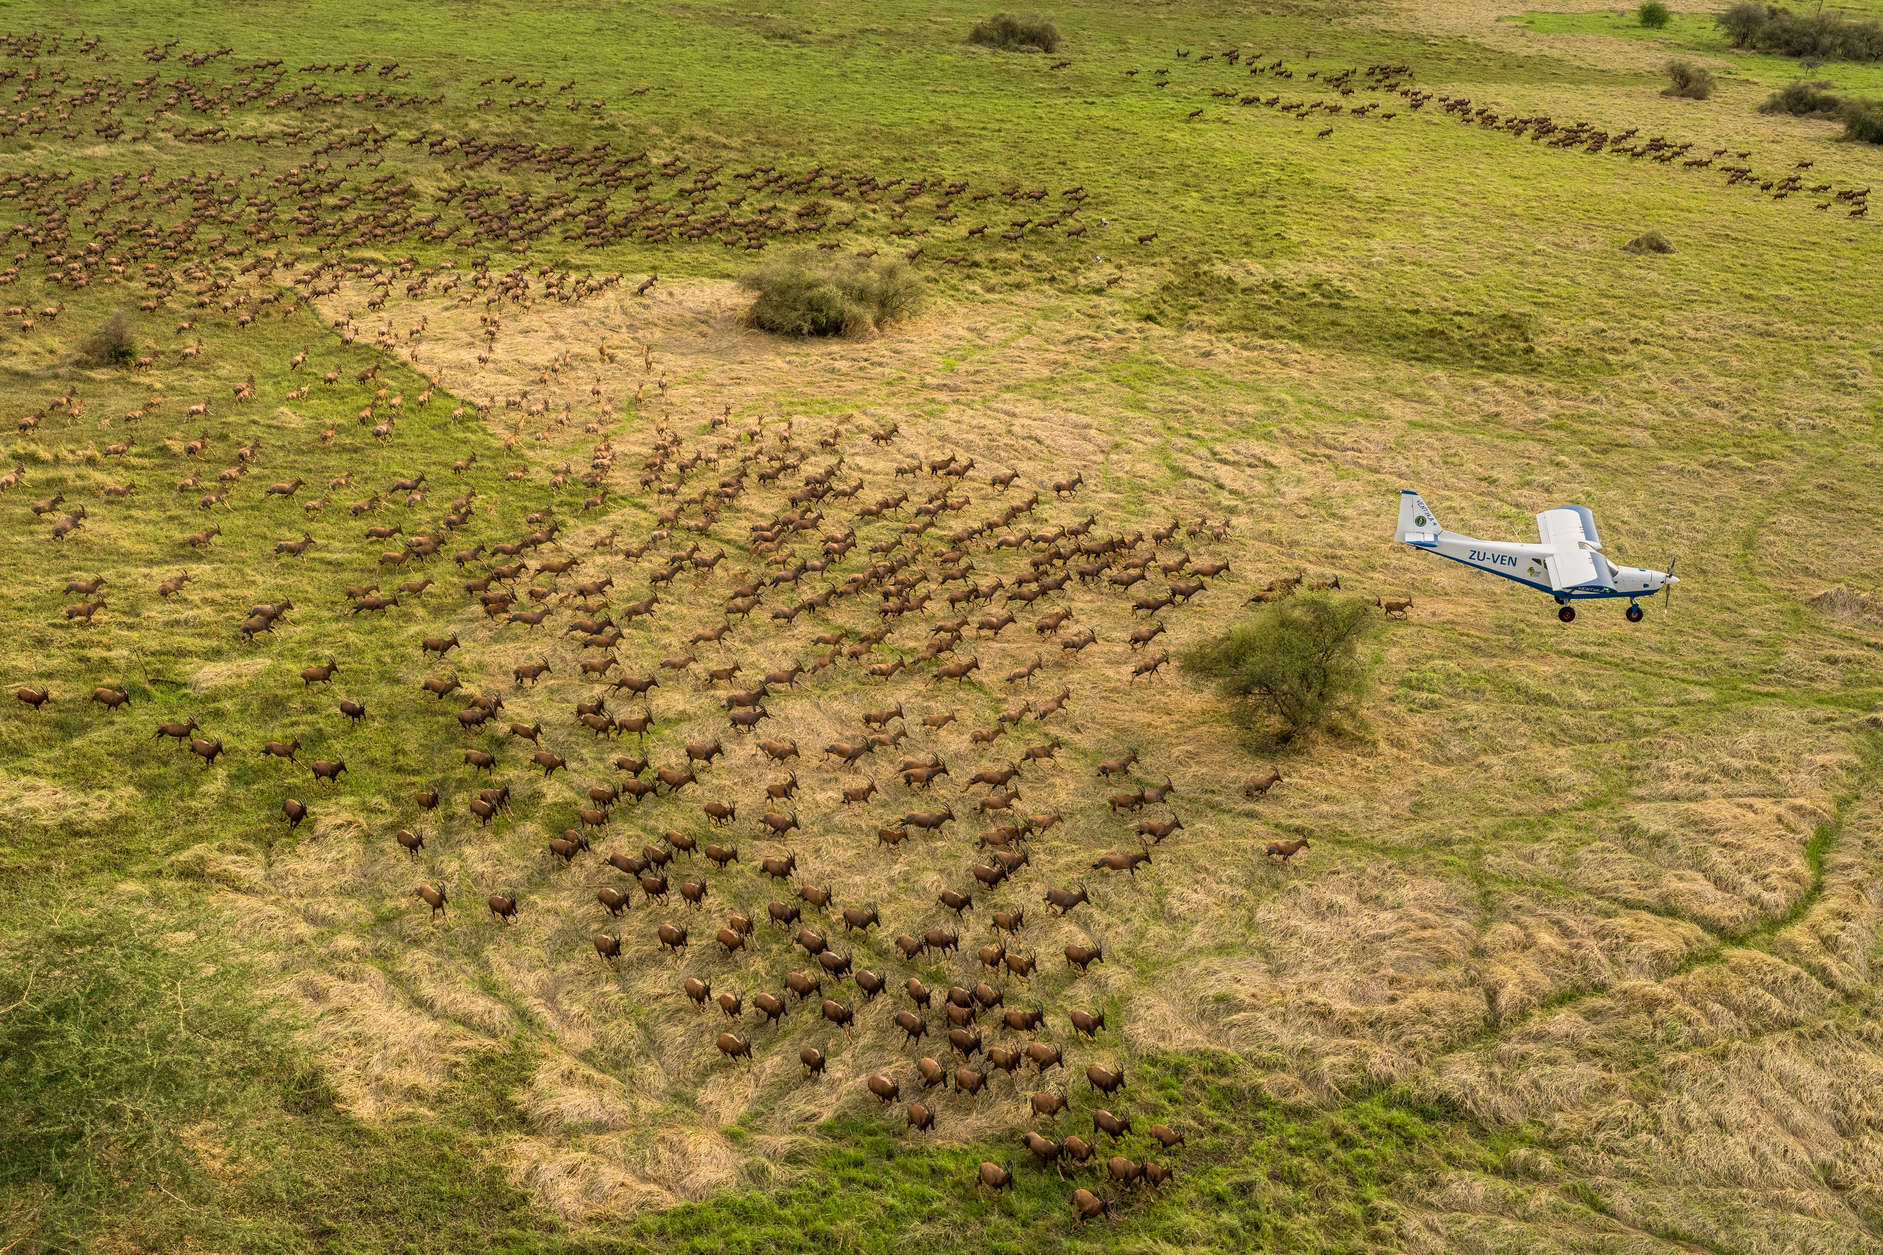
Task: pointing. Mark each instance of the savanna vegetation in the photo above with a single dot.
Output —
(598, 599)
(1862, 117)
(1818, 36)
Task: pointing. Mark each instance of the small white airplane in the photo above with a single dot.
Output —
(1568, 564)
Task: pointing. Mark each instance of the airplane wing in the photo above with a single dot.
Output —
(1568, 527)
(1576, 569)
(1575, 564)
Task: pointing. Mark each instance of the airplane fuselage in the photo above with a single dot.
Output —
(1524, 563)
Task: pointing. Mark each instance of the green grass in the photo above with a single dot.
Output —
(142, 1062)
(1265, 1177)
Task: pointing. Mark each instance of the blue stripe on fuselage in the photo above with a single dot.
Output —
(1564, 595)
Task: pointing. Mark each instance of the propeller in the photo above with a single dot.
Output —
(1667, 588)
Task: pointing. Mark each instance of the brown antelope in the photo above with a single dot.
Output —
(1063, 900)
(992, 1176)
(1287, 849)
(1043, 1149)
(1122, 862)
(1123, 1170)
(1157, 830)
(434, 898)
(1258, 786)
(1043, 1057)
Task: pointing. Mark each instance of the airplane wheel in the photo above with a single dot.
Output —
(1567, 614)
(1636, 613)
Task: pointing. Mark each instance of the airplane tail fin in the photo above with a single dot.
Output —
(1415, 518)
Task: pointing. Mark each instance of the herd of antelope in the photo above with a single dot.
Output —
(859, 568)
(286, 161)
(769, 568)
(902, 576)
(1304, 98)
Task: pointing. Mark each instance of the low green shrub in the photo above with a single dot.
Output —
(1648, 242)
(1688, 81)
(111, 344)
(1297, 660)
(1010, 32)
(802, 294)
(1862, 116)
(1804, 100)
(1653, 14)
(1863, 121)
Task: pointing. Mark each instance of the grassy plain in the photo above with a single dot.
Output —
(1582, 956)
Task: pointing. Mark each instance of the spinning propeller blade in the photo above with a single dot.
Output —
(1667, 589)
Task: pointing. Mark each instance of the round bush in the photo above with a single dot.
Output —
(1653, 14)
(804, 295)
(1689, 81)
(1009, 32)
(1295, 661)
(111, 344)
(1804, 100)
(1648, 242)
(1863, 121)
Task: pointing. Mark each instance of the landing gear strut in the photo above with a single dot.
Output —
(1635, 613)
(1567, 614)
